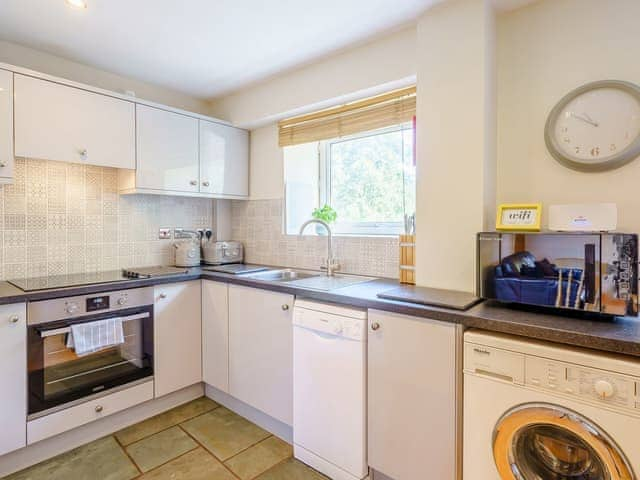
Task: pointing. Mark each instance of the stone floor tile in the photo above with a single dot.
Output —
(165, 420)
(102, 459)
(224, 433)
(195, 465)
(259, 458)
(157, 449)
(292, 469)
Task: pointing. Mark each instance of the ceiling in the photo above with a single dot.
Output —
(201, 47)
(205, 48)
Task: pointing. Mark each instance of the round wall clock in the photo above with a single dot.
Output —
(596, 127)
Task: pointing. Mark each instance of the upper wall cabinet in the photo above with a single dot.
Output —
(167, 151)
(59, 122)
(224, 159)
(6, 126)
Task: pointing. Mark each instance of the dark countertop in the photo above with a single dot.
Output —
(619, 335)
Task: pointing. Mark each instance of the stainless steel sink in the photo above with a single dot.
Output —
(286, 275)
(311, 280)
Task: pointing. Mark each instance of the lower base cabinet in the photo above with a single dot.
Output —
(261, 350)
(177, 335)
(215, 335)
(13, 372)
(413, 389)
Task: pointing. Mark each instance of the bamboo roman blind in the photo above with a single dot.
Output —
(381, 111)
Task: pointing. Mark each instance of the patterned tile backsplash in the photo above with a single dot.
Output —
(68, 218)
(258, 224)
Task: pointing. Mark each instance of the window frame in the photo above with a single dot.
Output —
(324, 186)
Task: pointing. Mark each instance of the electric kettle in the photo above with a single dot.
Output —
(188, 252)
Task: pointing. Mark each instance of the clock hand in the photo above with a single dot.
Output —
(584, 118)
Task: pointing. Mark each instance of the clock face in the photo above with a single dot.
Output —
(596, 126)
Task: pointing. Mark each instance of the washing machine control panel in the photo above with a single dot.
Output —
(588, 383)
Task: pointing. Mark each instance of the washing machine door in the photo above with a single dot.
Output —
(540, 441)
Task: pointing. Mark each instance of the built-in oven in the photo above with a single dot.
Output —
(82, 346)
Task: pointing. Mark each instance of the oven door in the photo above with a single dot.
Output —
(58, 375)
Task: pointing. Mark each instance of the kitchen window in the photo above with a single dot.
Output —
(367, 177)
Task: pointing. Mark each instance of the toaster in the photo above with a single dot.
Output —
(218, 253)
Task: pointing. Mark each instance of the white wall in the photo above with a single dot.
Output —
(60, 67)
(354, 73)
(544, 51)
(266, 168)
(455, 140)
(362, 71)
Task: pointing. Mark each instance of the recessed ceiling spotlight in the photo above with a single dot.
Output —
(76, 3)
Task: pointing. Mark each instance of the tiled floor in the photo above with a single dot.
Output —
(199, 440)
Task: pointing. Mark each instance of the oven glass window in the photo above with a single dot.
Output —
(59, 374)
(551, 452)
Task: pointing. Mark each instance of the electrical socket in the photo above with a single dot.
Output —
(164, 233)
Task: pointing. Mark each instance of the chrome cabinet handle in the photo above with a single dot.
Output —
(163, 295)
(193, 182)
(14, 319)
(99, 408)
(375, 326)
(205, 184)
(285, 307)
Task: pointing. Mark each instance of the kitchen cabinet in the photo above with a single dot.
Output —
(60, 122)
(261, 350)
(413, 388)
(167, 150)
(177, 333)
(13, 372)
(6, 126)
(224, 159)
(215, 335)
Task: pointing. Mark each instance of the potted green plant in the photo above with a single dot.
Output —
(326, 214)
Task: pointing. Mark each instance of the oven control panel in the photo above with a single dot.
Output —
(96, 304)
(71, 307)
(600, 386)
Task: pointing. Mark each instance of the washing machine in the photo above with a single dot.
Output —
(541, 411)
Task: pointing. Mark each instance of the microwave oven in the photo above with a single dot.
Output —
(591, 272)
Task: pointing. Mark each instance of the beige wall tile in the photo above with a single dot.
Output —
(59, 217)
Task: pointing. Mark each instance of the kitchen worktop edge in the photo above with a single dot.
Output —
(620, 335)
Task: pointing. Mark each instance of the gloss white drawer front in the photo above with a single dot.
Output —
(72, 417)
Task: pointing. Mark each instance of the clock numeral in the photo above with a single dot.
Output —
(595, 151)
(613, 147)
(577, 149)
(564, 129)
(567, 140)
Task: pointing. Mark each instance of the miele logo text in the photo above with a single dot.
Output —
(482, 351)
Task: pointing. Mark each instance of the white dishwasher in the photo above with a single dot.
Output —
(329, 389)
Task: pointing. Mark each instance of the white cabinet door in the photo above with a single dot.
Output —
(261, 350)
(167, 150)
(58, 122)
(412, 397)
(177, 336)
(13, 372)
(215, 335)
(224, 159)
(6, 124)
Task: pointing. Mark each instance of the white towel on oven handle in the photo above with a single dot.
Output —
(91, 337)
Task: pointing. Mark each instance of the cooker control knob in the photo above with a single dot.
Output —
(122, 301)
(604, 389)
(72, 308)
